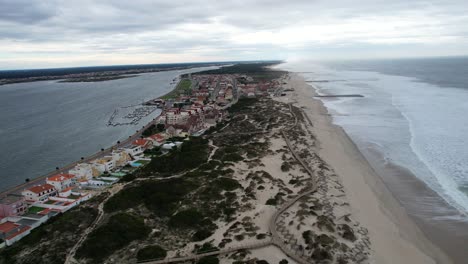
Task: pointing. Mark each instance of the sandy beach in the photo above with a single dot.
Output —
(394, 236)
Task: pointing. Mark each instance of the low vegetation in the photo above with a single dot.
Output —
(50, 242)
(151, 252)
(119, 231)
(192, 154)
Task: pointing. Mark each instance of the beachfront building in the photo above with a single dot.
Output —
(12, 205)
(61, 181)
(134, 151)
(158, 139)
(39, 193)
(103, 164)
(82, 171)
(143, 143)
(10, 232)
(120, 157)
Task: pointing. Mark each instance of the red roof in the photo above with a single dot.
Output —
(61, 177)
(41, 188)
(141, 142)
(7, 227)
(158, 137)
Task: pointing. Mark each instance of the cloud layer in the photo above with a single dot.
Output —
(70, 33)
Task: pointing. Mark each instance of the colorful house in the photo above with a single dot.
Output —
(11, 232)
(12, 205)
(144, 143)
(61, 181)
(39, 193)
(158, 139)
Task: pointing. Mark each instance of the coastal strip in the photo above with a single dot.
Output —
(394, 236)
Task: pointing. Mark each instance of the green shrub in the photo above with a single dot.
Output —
(161, 197)
(189, 218)
(202, 234)
(271, 201)
(121, 229)
(209, 260)
(227, 184)
(151, 252)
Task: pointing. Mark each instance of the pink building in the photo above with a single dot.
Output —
(12, 205)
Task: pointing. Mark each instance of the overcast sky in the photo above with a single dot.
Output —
(54, 33)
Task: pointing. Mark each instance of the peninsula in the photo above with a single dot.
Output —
(242, 166)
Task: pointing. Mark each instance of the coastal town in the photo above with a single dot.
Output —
(227, 173)
(198, 103)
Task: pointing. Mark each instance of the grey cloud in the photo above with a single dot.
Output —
(26, 12)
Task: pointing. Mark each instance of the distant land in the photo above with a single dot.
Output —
(98, 73)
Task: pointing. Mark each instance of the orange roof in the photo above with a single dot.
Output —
(41, 188)
(141, 142)
(61, 177)
(7, 227)
(158, 137)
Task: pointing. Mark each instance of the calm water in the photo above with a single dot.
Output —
(414, 111)
(48, 124)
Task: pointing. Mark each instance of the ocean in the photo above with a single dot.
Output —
(412, 126)
(48, 124)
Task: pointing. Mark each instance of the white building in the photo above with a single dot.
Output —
(82, 171)
(134, 150)
(39, 193)
(104, 164)
(61, 181)
(120, 157)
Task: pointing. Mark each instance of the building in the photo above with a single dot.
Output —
(12, 205)
(134, 151)
(82, 171)
(61, 181)
(144, 143)
(103, 164)
(158, 139)
(39, 193)
(120, 157)
(10, 232)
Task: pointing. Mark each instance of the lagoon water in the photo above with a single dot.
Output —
(49, 124)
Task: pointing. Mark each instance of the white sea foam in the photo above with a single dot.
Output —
(417, 125)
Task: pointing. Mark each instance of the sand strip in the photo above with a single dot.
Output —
(395, 238)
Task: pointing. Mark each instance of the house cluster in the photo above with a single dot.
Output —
(253, 89)
(218, 89)
(191, 114)
(21, 213)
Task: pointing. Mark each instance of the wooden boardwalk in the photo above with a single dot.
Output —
(210, 253)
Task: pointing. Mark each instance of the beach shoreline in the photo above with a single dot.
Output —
(394, 235)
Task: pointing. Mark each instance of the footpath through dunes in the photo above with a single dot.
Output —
(311, 222)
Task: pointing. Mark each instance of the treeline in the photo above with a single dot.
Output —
(244, 68)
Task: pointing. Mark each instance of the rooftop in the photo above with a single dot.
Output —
(41, 188)
(61, 177)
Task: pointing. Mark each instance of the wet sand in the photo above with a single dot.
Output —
(394, 235)
(441, 223)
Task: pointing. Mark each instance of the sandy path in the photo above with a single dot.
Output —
(395, 238)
